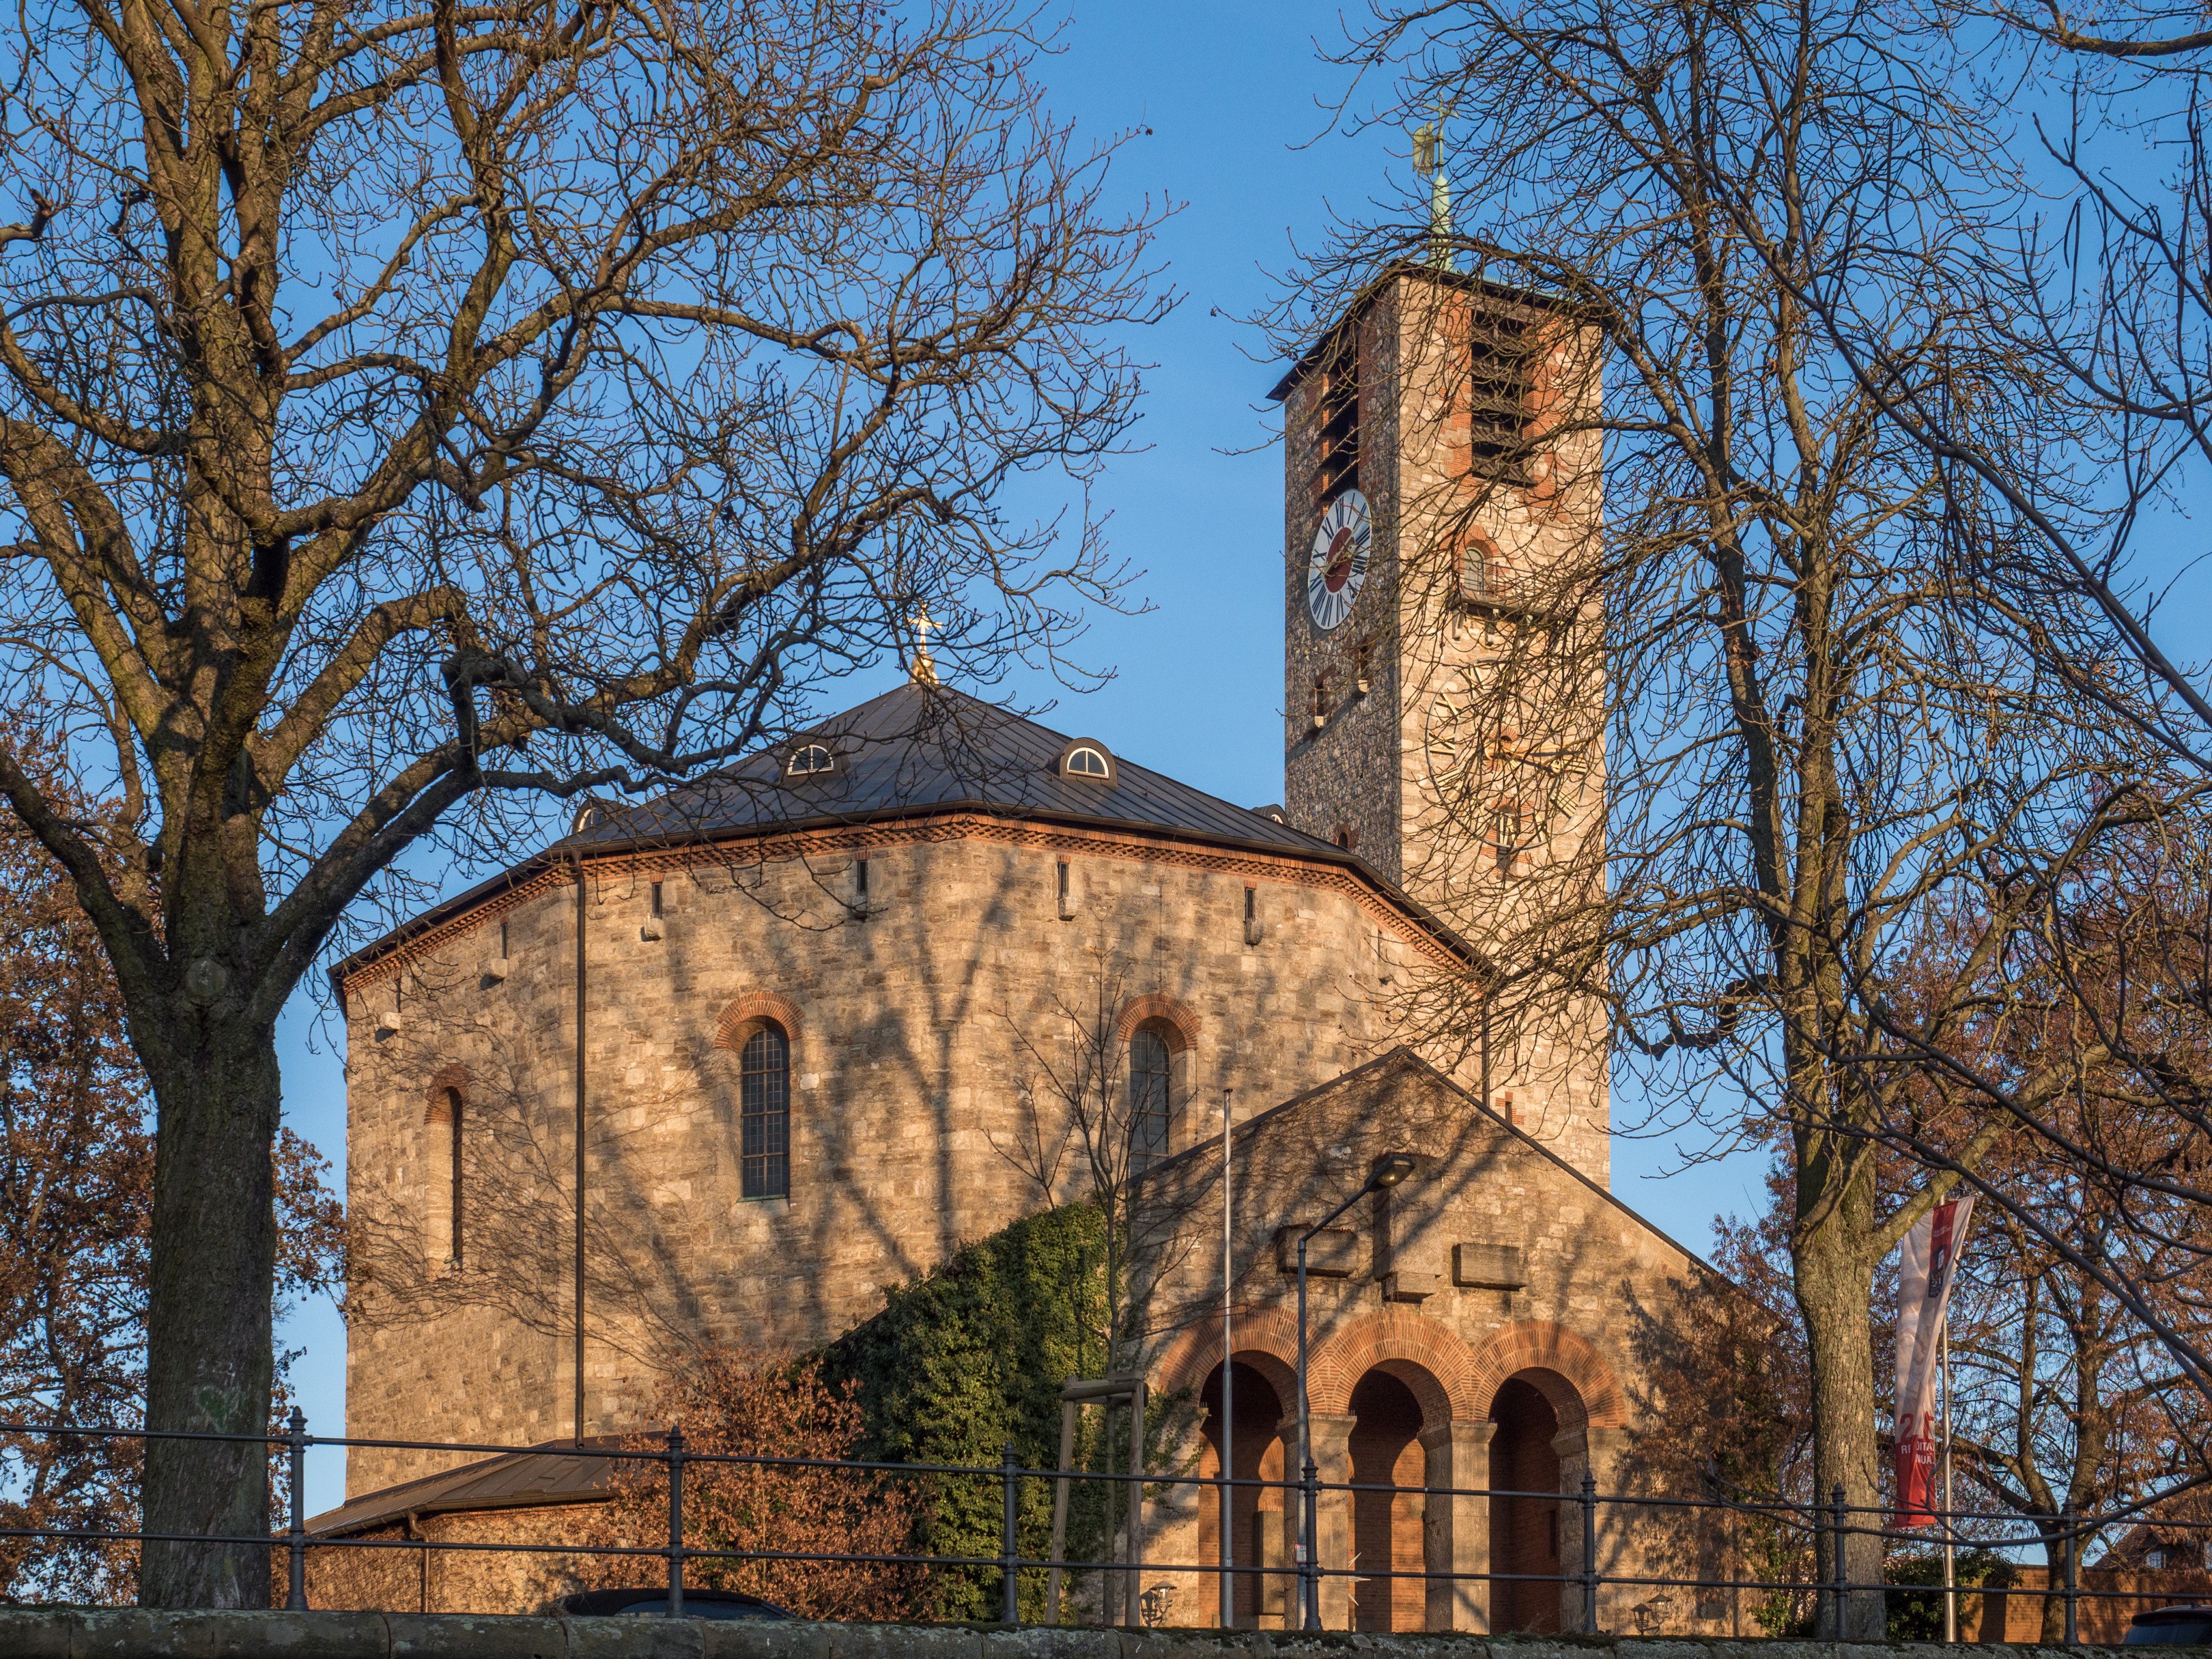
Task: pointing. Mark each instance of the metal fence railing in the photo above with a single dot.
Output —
(1615, 1534)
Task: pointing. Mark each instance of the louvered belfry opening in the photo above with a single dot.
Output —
(1336, 447)
(1501, 362)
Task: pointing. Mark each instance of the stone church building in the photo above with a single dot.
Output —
(720, 1067)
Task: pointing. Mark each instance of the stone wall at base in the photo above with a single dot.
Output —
(2110, 1598)
(137, 1633)
(405, 1573)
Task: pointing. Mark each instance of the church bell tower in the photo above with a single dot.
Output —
(1442, 666)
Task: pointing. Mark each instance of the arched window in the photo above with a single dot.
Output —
(809, 759)
(1149, 1077)
(1087, 761)
(453, 1111)
(764, 1114)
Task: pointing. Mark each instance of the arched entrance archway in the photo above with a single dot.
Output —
(1388, 1548)
(1524, 1523)
(1258, 1514)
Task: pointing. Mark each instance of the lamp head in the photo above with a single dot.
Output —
(1389, 1169)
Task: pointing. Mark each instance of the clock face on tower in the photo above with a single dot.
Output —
(1338, 568)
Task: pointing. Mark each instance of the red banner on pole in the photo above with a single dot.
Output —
(1923, 1296)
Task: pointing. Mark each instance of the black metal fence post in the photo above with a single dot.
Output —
(676, 1520)
(1010, 1612)
(295, 1541)
(1589, 1553)
(2073, 1547)
(1310, 1564)
(1837, 1524)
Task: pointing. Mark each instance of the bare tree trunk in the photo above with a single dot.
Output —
(1833, 1278)
(210, 1361)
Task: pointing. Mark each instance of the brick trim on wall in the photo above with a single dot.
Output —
(1267, 1341)
(1156, 1008)
(1565, 1368)
(1421, 1352)
(743, 1014)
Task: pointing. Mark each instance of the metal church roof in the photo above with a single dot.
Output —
(932, 749)
(915, 752)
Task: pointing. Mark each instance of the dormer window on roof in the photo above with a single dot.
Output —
(1087, 760)
(810, 760)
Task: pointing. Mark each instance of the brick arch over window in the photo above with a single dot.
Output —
(1174, 1018)
(1564, 1367)
(1419, 1351)
(746, 1013)
(437, 1106)
(1267, 1342)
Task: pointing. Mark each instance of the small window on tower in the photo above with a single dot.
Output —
(1483, 576)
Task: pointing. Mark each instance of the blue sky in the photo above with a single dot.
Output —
(1230, 94)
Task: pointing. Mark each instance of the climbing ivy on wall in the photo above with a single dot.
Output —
(969, 1357)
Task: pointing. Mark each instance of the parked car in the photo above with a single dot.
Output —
(2189, 1625)
(651, 1601)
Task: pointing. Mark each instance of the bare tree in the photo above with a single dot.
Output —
(1811, 751)
(76, 1183)
(1088, 1124)
(407, 412)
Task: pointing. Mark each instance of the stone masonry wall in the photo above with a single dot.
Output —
(921, 1033)
(147, 1633)
(1345, 771)
(1410, 1283)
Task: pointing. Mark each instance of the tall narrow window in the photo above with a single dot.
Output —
(656, 901)
(454, 1114)
(861, 881)
(764, 1115)
(1149, 1080)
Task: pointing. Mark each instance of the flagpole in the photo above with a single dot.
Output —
(1950, 1517)
(1228, 1394)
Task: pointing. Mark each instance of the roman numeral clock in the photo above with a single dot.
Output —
(1338, 568)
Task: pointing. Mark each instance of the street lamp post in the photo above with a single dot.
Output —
(1387, 1172)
